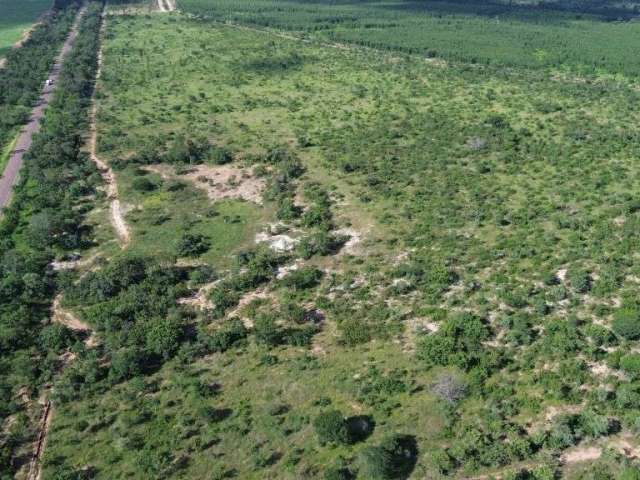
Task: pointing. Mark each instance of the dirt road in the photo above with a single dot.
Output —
(109, 178)
(167, 5)
(10, 175)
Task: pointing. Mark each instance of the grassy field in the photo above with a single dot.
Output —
(497, 219)
(16, 17)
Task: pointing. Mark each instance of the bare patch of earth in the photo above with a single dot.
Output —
(219, 182)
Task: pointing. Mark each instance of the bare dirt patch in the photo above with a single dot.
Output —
(353, 243)
(582, 454)
(259, 294)
(278, 243)
(219, 182)
(200, 300)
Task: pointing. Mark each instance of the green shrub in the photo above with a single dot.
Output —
(354, 332)
(304, 278)
(458, 342)
(223, 339)
(579, 280)
(630, 473)
(395, 457)
(266, 331)
(143, 184)
(331, 427)
(626, 323)
(337, 473)
(220, 156)
(192, 245)
(631, 364)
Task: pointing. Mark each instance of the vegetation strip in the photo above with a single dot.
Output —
(26, 68)
(25, 137)
(43, 219)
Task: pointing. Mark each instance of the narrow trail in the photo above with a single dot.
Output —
(69, 320)
(109, 178)
(166, 6)
(25, 139)
(35, 470)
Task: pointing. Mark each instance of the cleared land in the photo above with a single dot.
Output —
(476, 309)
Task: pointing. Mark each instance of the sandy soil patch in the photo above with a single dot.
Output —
(582, 454)
(219, 182)
(73, 264)
(287, 269)
(261, 293)
(353, 244)
(562, 274)
(278, 243)
(200, 300)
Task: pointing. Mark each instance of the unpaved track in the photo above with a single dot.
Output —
(35, 470)
(167, 5)
(25, 139)
(116, 211)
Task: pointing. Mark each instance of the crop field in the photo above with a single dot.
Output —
(581, 38)
(16, 16)
(357, 263)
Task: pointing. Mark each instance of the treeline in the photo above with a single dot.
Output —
(26, 69)
(44, 218)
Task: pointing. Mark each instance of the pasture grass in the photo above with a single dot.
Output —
(16, 17)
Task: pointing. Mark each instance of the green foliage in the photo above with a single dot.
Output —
(458, 342)
(496, 33)
(143, 184)
(631, 364)
(302, 279)
(46, 211)
(626, 323)
(331, 427)
(393, 458)
(192, 245)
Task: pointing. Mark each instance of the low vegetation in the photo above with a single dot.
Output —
(434, 278)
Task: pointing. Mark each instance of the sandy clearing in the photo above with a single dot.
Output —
(582, 454)
(246, 299)
(277, 243)
(73, 264)
(219, 182)
(350, 247)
